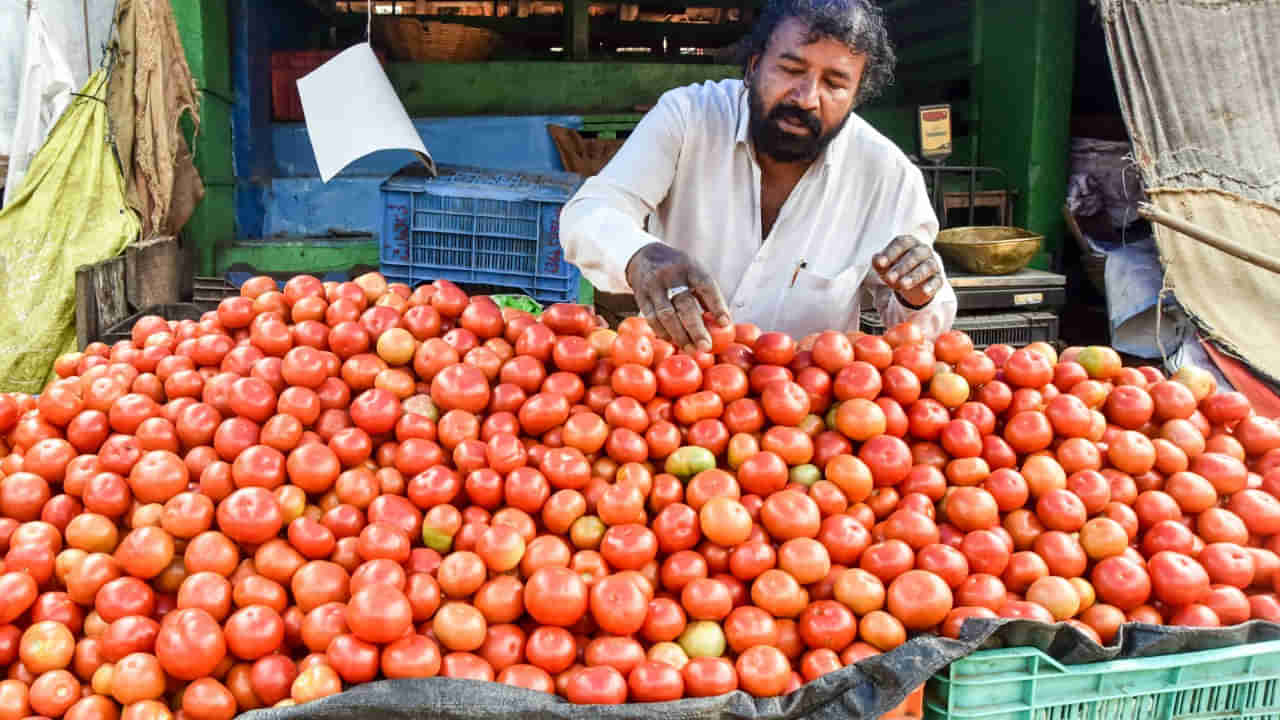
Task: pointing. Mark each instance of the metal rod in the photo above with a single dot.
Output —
(88, 47)
(973, 180)
(1212, 239)
(938, 208)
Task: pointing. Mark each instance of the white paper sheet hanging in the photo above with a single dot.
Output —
(351, 111)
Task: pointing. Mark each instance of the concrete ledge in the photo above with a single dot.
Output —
(314, 255)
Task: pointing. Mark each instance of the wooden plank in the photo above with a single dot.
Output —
(577, 28)
(101, 298)
(109, 292)
(86, 316)
(152, 272)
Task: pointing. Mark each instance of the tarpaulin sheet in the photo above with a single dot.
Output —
(1232, 301)
(862, 691)
(1199, 87)
(70, 212)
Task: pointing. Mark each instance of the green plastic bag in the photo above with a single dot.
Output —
(519, 302)
(70, 211)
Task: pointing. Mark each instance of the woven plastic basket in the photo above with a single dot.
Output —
(411, 40)
(581, 155)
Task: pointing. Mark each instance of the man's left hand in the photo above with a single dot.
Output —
(910, 268)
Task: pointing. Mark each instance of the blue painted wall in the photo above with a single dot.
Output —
(251, 40)
(278, 188)
(298, 203)
(511, 142)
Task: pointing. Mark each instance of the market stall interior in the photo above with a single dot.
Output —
(594, 78)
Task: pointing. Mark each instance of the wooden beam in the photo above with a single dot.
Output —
(549, 87)
(577, 27)
(324, 6)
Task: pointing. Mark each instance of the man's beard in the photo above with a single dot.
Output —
(769, 138)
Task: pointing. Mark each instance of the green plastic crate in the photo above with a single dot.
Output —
(1026, 684)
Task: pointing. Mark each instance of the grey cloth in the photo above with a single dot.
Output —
(862, 691)
(1104, 179)
(1199, 87)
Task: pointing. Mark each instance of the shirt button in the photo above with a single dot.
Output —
(740, 304)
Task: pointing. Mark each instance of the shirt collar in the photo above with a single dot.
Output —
(744, 115)
(833, 153)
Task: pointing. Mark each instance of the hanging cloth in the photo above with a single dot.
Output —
(150, 90)
(1197, 86)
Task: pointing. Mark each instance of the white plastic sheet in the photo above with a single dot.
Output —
(80, 31)
(46, 86)
(13, 28)
(82, 37)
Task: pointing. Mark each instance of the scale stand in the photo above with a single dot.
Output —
(935, 148)
(1016, 308)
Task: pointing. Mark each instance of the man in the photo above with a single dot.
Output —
(769, 192)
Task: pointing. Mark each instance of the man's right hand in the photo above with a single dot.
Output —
(658, 269)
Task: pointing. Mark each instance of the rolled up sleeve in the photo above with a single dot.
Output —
(602, 226)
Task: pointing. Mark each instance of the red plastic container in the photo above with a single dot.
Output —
(286, 68)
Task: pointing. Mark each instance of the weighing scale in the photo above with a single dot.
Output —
(1025, 290)
(1017, 308)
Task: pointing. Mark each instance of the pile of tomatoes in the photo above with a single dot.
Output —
(318, 487)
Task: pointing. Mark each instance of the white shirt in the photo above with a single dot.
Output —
(689, 168)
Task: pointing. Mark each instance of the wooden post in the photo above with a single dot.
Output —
(577, 21)
(86, 317)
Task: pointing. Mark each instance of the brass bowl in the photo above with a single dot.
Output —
(993, 250)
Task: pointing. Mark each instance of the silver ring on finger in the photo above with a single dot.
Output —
(678, 290)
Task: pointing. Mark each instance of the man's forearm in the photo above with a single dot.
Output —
(933, 318)
(602, 226)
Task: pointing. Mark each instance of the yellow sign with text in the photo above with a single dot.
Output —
(935, 131)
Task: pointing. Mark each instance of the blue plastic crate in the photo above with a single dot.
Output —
(477, 226)
(1241, 682)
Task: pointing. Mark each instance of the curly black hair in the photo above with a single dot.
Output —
(859, 24)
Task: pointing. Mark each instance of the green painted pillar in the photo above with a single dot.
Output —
(206, 41)
(1025, 50)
